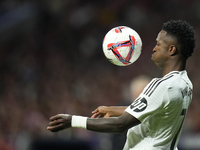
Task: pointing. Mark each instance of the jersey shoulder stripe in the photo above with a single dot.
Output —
(158, 84)
(154, 84)
(151, 85)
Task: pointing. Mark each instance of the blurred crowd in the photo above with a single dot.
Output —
(51, 61)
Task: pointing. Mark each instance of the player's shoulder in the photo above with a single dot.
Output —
(177, 78)
(173, 75)
(173, 78)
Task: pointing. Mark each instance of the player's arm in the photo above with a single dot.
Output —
(111, 124)
(108, 111)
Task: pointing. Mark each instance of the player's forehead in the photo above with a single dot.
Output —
(161, 35)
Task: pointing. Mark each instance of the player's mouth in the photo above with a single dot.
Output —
(152, 56)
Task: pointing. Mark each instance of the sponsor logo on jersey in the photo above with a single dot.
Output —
(139, 105)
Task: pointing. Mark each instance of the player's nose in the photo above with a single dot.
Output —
(154, 49)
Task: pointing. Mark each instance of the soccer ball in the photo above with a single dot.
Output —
(122, 46)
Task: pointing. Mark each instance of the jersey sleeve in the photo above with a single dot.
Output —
(150, 101)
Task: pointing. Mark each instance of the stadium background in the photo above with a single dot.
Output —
(51, 61)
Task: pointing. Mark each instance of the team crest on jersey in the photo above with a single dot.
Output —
(139, 105)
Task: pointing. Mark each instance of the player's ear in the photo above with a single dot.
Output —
(173, 50)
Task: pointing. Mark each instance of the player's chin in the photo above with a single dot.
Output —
(159, 65)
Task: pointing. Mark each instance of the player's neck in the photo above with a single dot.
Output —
(178, 66)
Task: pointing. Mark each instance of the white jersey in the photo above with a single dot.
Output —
(161, 109)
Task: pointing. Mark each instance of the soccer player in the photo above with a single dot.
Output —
(155, 119)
